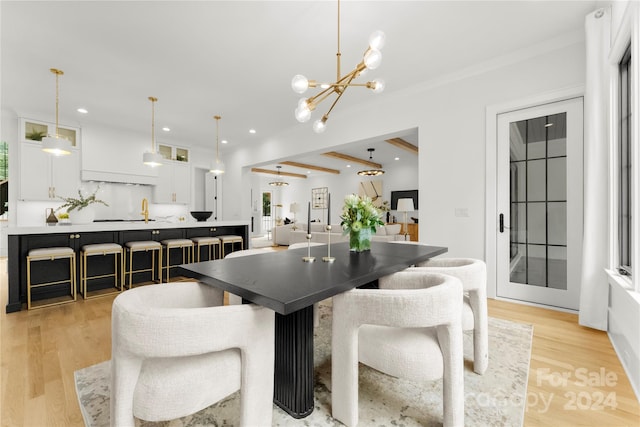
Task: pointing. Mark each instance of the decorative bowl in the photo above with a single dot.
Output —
(201, 215)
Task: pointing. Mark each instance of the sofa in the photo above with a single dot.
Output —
(281, 233)
(385, 233)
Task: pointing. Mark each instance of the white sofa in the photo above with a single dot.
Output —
(281, 233)
(385, 233)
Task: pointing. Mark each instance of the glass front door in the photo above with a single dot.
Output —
(540, 204)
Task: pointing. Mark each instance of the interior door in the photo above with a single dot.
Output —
(540, 204)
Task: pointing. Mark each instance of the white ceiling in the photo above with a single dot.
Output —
(237, 58)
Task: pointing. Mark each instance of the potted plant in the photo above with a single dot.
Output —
(360, 219)
(77, 208)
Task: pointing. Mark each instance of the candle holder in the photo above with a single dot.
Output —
(328, 258)
(308, 258)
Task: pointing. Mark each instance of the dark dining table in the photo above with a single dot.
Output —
(281, 281)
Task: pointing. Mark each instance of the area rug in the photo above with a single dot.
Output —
(496, 398)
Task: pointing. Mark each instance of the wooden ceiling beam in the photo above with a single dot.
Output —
(312, 167)
(401, 143)
(352, 159)
(269, 171)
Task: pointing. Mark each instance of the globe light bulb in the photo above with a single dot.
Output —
(319, 126)
(303, 114)
(376, 40)
(378, 85)
(299, 83)
(372, 59)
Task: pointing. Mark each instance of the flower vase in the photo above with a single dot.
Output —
(85, 215)
(360, 241)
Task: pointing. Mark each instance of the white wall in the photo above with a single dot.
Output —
(450, 117)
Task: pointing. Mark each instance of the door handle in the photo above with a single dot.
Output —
(502, 223)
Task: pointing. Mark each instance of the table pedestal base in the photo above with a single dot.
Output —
(293, 379)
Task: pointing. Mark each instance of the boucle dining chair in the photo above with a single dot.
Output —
(473, 275)
(409, 328)
(176, 350)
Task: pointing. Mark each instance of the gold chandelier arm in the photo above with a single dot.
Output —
(352, 76)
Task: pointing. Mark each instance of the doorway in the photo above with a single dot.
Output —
(540, 204)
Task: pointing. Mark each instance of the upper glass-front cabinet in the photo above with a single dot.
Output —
(173, 153)
(34, 131)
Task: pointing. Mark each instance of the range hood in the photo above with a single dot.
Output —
(117, 177)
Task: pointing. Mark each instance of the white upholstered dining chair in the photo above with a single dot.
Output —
(409, 328)
(473, 275)
(176, 350)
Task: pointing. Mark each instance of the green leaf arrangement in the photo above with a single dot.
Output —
(358, 213)
(81, 202)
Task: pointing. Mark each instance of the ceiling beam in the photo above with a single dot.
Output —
(295, 175)
(312, 167)
(401, 143)
(349, 158)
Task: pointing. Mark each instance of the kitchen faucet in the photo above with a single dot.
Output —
(145, 210)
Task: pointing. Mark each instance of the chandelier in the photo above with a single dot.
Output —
(218, 167)
(371, 172)
(279, 182)
(56, 145)
(152, 158)
(370, 61)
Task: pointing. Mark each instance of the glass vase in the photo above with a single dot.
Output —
(360, 241)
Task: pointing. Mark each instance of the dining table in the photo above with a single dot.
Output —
(284, 282)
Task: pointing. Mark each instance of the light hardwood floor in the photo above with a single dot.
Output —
(42, 348)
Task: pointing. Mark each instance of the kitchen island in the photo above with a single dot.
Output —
(22, 239)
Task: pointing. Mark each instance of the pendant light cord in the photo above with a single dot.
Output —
(217, 138)
(57, 73)
(153, 123)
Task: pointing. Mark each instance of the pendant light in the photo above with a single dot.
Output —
(152, 158)
(56, 145)
(371, 172)
(370, 61)
(278, 182)
(218, 167)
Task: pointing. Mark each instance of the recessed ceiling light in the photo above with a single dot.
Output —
(397, 158)
(252, 131)
(308, 172)
(82, 110)
(224, 141)
(348, 166)
(166, 129)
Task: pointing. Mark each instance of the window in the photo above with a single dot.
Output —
(625, 231)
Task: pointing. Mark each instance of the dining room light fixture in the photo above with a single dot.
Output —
(371, 60)
(56, 144)
(279, 182)
(218, 167)
(371, 172)
(152, 158)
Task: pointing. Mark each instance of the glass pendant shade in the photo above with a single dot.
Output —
(377, 39)
(217, 168)
(373, 59)
(56, 145)
(299, 83)
(319, 126)
(152, 159)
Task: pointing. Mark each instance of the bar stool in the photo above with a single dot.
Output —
(209, 242)
(230, 239)
(176, 244)
(51, 254)
(143, 246)
(103, 249)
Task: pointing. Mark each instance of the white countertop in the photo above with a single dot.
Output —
(118, 226)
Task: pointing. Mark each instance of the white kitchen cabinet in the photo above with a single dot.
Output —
(47, 177)
(174, 183)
